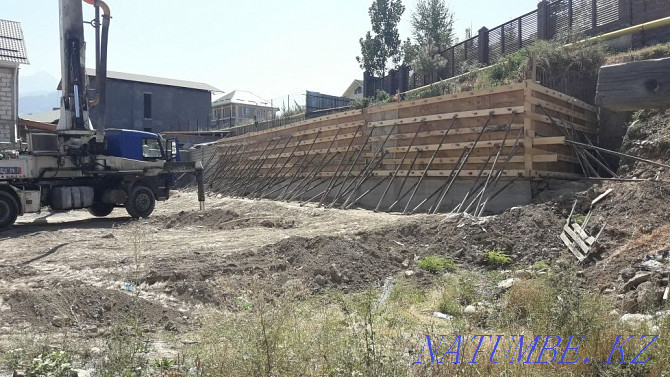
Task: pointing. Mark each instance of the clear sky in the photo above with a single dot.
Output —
(272, 48)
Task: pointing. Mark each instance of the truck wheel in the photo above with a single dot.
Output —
(140, 202)
(9, 210)
(101, 209)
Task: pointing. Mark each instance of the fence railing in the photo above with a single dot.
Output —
(560, 19)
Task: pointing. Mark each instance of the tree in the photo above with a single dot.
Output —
(432, 29)
(432, 23)
(382, 43)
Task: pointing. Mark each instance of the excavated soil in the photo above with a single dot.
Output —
(76, 273)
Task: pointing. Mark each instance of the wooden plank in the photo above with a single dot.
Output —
(634, 86)
(445, 173)
(562, 123)
(472, 160)
(563, 97)
(528, 133)
(452, 146)
(456, 131)
(577, 239)
(572, 248)
(344, 114)
(552, 140)
(449, 116)
(582, 233)
(446, 98)
(317, 151)
(333, 127)
(588, 117)
(601, 197)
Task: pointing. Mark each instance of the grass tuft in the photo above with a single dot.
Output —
(434, 264)
(496, 258)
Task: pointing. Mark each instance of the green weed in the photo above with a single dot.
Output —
(434, 264)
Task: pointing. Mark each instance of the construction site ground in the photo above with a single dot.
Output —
(70, 278)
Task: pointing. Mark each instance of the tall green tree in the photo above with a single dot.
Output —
(432, 23)
(432, 29)
(382, 44)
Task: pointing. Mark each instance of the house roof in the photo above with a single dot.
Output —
(45, 117)
(153, 80)
(12, 45)
(352, 86)
(241, 97)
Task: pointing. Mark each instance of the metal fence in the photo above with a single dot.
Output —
(317, 104)
(560, 19)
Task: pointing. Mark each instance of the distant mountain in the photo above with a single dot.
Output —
(37, 93)
(38, 103)
(38, 83)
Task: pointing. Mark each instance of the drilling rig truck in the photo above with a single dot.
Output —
(80, 166)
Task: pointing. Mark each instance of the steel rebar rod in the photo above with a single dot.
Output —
(300, 166)
(321, 165)
(430, 162)
(337, 170)
(274, 164)
(395, 173)
(273, 181)
(495, 161)
(356, 180)
(351, 169)
(439, 189)
(461, 165)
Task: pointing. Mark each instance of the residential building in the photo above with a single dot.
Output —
(12, 54)
(241, 107)
(154, 104)
(355, 90)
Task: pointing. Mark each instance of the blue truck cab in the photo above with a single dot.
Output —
(140, 145)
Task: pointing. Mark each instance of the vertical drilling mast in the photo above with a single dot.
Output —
(82, 166)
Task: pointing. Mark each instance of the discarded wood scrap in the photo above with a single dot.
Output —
(576, 237)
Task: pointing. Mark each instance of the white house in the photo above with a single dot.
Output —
(12, 54)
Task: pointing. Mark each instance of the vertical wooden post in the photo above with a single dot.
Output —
(529, 132)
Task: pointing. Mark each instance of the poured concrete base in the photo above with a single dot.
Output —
(516, 194)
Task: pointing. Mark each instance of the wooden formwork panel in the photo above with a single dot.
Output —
(518, 129)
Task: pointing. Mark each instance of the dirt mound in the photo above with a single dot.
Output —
(350, 263)
(648, 137)
(76, 305)
(221, 219)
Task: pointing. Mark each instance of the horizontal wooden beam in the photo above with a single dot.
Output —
(446, 98)
(455, 131)
(445, 173)
(588, 117)
(563, 123)
(452, 146)
(551, 140)
(558, 95)
(449, 116)
(317, 151)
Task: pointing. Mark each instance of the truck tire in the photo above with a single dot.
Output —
(140, 202)
(100, 209)
(9, 210)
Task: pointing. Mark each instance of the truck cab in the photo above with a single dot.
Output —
(140, 145)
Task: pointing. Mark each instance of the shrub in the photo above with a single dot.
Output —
(496, 258)
(382, 97)
(54, 364)
(435, 264)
